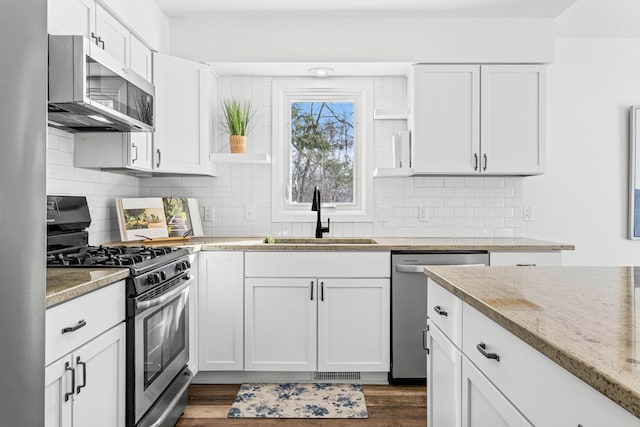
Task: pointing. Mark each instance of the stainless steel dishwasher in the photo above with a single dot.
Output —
(409, 306)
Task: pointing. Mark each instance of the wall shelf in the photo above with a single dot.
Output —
(391, 113)
(391, 172)
(255, 158)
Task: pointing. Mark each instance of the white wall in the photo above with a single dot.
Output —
(101, 188)
(582, 198)
(353, 37)
(457, 206)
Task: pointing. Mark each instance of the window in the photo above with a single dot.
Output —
(319, 133)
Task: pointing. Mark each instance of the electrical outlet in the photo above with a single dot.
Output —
(528, 213)
(209, 213)
(423, 214)
(383, 213)
(250, 213)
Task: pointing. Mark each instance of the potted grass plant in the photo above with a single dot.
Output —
(237, 118)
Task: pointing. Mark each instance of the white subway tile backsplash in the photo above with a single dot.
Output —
(457, 206)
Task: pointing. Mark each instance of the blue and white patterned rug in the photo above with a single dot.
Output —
(299, 401)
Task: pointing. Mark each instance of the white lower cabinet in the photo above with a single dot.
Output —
(317, 322)
(503, 381)
(220, 311)
(280, 333)
(443, 380)
(85, 360)
(483, 405)
(353, 325)
(525, 259)
(87, 386)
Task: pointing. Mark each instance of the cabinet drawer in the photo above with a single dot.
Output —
(317, 264)
(445, 310)
(531, 259)
(534, 383)
(96, 311)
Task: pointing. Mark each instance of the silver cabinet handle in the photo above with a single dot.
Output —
(100, 41)
(93, 36)
(482, 348)
(67, 367)
(475, 161)
(159, 155)
(424, 340)
(80, 324)
(134, 159)
(525, 265)
(84, 375)
(440, 311)
(312, 290)
(486, 161)
(321, 291)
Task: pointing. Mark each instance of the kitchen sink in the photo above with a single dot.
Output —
(323, 241)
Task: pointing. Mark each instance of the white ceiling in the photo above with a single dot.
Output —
(436, 8)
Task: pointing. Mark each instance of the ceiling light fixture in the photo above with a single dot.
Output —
(321, 71)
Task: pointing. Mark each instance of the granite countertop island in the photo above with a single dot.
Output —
(64, 284)
(586, 319)
(366, 244)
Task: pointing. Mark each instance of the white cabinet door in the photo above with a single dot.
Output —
(140, 150)
(483, 405)
(513, 119)
(71, 17)
(113, 37)
(182, 140)
(446, 118)
(353, 325)
(444, 375)
(140, 62)
(221, 320)
(58, 393)
(100, 381)
(280, 329)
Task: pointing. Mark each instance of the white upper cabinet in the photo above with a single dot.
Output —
(185, 105)
(478, 119)
(71, 17)
(141, 61)
(446, 118)
(512, 119)
(112, 36)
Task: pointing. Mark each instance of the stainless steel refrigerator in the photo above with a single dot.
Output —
(23, 127)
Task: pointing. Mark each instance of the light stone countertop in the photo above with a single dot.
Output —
(586, 319)
(382, 244)
(64, 284)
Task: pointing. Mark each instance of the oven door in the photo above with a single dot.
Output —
(161, 344)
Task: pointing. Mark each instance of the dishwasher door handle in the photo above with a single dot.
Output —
(413, 268)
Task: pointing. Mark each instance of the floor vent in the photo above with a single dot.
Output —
(333, 376)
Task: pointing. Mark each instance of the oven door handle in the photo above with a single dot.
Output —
(162, 299)
(415, 268)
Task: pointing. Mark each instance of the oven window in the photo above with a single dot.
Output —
(164, 338)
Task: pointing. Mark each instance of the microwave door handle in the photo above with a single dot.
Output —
(164, 298)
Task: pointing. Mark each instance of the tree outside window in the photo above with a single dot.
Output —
(322, 151)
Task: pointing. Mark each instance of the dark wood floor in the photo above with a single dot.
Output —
(388, 406)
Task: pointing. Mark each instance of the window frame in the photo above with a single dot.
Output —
(286, 91)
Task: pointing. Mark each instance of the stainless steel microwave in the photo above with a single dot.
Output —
(90, 91)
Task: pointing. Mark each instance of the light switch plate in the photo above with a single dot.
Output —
(209, 213)
(250, 213)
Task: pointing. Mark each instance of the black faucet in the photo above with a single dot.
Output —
(315, 206)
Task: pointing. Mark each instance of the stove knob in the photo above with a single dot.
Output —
(188, 264)
(183, 266)
(163, 275)
(153, 278)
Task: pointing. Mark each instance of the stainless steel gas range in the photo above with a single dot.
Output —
(157, 308)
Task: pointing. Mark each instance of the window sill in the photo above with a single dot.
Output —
(255, 158)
